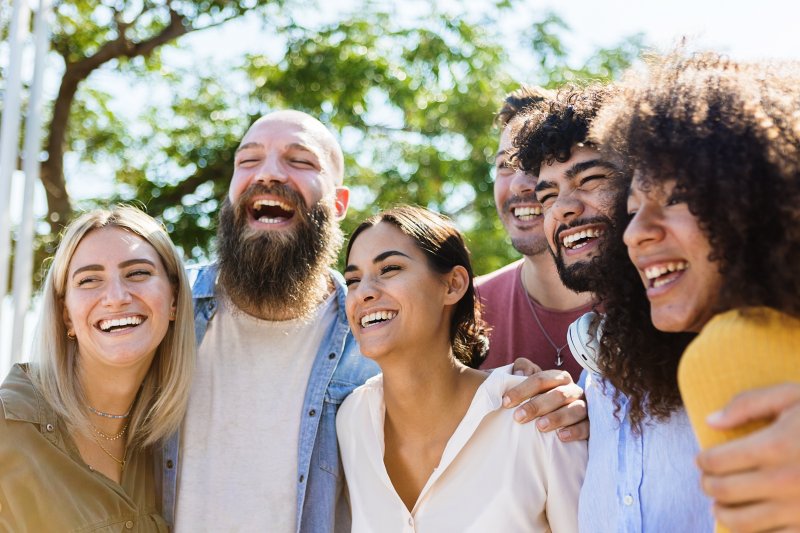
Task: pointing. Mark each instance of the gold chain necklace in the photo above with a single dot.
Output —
(559, 360)
(99, 432)
(120, 462)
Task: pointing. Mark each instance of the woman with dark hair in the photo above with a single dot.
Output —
(714, 235)
(426, 443)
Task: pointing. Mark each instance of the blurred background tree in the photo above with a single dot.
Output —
(412, 97)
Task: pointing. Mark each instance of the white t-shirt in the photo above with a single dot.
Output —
(240, 436)
(495, 474)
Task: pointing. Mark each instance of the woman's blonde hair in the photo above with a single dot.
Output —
(161, 403)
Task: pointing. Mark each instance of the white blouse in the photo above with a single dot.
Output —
(495, 474)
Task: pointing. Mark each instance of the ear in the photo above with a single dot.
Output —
(341, 202)
(65, 317)
(457, 281)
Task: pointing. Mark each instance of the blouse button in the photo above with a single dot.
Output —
(410, 521)
(129, 524)
(49, 427)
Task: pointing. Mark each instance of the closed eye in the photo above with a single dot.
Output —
(85, 281)
(592, 177)
(350, 281)
(139, 274)
(389, 268)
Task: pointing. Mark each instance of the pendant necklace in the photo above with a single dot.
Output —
(559, 359)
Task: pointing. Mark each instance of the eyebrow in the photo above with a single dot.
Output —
(245, 146)
(123, 264)
(500, 153)
(378, 258)
(574, 170)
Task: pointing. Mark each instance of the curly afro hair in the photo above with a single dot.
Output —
(550, 132)
(728, 133)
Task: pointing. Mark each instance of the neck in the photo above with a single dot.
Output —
(111, 391)
(314, 294)
(421, 391)
(541, 282)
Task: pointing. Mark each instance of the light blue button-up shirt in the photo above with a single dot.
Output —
(338, 368)
(640, 483)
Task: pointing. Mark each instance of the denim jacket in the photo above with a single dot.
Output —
(338, 368)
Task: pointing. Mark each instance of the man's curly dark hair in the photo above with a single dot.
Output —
(728, 133)
(551, 132)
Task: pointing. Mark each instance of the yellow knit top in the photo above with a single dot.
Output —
(736, 351)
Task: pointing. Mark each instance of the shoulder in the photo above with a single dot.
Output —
(361, 403)
(202, 278)
(748, 328)
(19, 398)
(501, 276)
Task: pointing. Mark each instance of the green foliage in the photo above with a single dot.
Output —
(412, 99)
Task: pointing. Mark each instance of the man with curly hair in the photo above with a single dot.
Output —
(641, 475)
(525, 304)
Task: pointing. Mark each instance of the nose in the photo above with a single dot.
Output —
(566, 207)
(117, 293)
(271, 171)
(522, 183)
(642, 229)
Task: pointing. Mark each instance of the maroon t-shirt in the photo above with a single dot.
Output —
(514, 332)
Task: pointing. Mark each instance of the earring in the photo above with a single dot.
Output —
(172, 315)
(71, 334)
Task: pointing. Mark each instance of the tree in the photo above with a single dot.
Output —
(413, 102)
(411, 95)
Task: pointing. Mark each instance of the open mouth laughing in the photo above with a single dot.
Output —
(575, 240)
(377, 317)
(271, 211)
(527, 213)
(119, 324)
(664, 273)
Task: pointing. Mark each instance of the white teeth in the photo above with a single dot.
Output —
(379, 316)
(267, 220)
(272, 203)
(106, 325)
(591, 233)
(527, 213)
(657, 271)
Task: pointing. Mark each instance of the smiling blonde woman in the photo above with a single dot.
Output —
(109, 380)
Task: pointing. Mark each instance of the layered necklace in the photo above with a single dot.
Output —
(98, 434)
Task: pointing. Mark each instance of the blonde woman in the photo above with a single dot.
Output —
(109, 380)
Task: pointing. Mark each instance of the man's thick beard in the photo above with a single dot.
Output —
(586, 275)
(277, 273)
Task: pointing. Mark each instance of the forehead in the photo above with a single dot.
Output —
(508, 133)
(281, 132)
(380, 237)
(111, 244)
(558, 173)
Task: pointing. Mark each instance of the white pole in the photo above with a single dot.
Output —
(9, 134)
(23, 258)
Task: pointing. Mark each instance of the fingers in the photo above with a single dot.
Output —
(757, 404)
(579, 431)
(762, 516)
(776, 444)
(555, 407)
(779, 482)
(525, 367)
(536, 384)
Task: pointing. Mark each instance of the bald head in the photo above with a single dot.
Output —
(313, 129)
